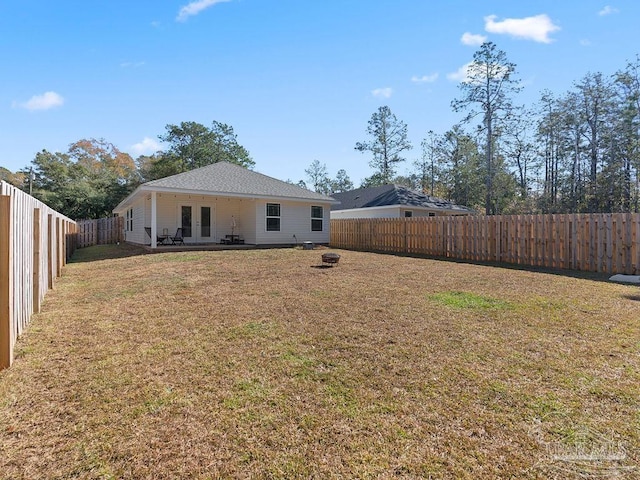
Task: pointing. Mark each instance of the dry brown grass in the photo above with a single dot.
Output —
(254, 364)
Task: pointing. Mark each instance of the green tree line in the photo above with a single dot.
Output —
(93, 176)
(577, 151)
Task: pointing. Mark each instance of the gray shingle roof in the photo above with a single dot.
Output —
(224, 177)
(385, 195)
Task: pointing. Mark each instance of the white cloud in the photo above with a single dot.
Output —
(460, 75)
(608, 10)
(475, 72)
(585, 42)
(382, 92)
(194, 8)
(45, 101)
(536, 28)
(473, 39)
(425, 78)
(146, 147)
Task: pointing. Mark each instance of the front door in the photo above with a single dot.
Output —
(196, 221)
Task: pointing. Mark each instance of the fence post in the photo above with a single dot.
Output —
(36, 260)
(50, 251)
(6, 342)
(58, 248)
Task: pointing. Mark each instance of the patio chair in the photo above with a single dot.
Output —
(177, 239)
(160, 239)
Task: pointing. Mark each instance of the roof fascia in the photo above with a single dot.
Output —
(405, 207)
(181, 191)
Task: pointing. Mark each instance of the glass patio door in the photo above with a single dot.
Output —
(197, 222)
(205, 224)
(186, 221)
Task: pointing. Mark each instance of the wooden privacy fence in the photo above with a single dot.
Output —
(608, 243)
(35, 243)
(103, 231)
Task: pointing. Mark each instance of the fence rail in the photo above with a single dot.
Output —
(608, 243)
(103, 231)
(35, 243)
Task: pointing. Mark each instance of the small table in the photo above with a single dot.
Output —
(231, 240)
(162, 239)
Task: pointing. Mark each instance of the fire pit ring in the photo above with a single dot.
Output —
(330, 258)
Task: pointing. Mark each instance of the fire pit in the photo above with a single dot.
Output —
(330, 259)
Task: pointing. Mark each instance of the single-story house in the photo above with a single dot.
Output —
(224, 202)
(392, 201)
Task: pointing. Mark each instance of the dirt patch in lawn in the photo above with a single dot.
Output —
(252, 364)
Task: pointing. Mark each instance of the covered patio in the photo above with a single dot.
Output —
(183, 220)
(223, 204)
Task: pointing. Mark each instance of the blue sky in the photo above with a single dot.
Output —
(297, 79)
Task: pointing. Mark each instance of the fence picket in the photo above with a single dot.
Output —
(32, 252)
(103, 231)
(608, 243)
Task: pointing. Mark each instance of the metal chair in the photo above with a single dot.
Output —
(177, 239)
(160, 239)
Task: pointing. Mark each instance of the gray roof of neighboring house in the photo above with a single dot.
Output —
(226, 178)
(390, 194)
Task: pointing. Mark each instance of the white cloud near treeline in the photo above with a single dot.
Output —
(473, 39)
(385, 92)
(425, 78)
(474, 72)
(45, 101)
(536, 28)
(608, 10)
(460, 75)
(147, 146)
(194, 8)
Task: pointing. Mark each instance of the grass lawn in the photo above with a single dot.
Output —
(255, 364)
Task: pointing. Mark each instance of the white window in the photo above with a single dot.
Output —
(273, 217)
(317, 216)
(129, 220)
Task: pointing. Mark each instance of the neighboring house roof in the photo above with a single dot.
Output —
(225, 178)
(390, 194)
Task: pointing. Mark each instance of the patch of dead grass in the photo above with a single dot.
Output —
(252, 364)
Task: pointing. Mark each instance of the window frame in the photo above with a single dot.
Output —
(272, 217)
(315, 218)
(129, 220)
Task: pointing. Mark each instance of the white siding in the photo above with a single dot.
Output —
(418, 212)
(249, 214)
(386, 212)
(240, 210)
(138, 235)
(295, 219)
(168, 213)
(247, 221)
(369, 212)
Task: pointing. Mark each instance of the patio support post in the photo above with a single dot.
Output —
(154, 228)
